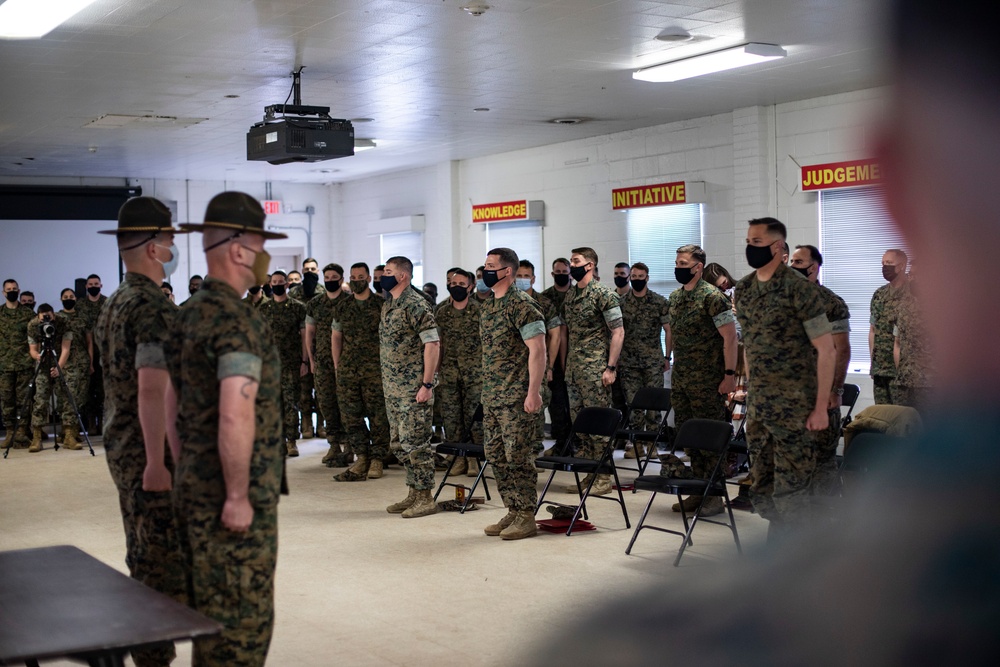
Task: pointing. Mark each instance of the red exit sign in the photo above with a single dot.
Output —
(272, 206)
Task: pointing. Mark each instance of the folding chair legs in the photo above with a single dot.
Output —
(472, 489)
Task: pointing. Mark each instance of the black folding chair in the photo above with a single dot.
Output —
(601, 422)
(656, 399)
(465, 448)
(849, 400)
(708, 435)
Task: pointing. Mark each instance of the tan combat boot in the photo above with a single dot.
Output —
(602, 486)
(690, 504)
(404, 504)
(36, 439)
(423, 505)
(494, 529)
(713, 505)
(472, 469)
(356, 473)
(292, 448)
(307, 428)
(321, 430)
(21, 437)
(375, 469)
(8, 442)
(583, 485)
(521, 527)
(71, 437)
(460, 467)
(331, 453)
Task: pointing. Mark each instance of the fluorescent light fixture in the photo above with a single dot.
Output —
(31, 19)
(709, 63)
(363, 144)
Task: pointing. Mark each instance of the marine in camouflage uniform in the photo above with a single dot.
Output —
(827, 478)
(460, 374)
(90, 310)
(359, 383)
(319, 315)
(553, 328)
(16, 368)
(591, 313)
(132, 333)
(885, 302)
(231, 574)
(407, 325)
(697, 318)
(77, 369)
(779, 319)
(45, 384)
(915, 371)
(507, 323)
(256, 304)
(286, 320)
(641, 362)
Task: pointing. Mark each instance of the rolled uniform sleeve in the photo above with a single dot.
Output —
(613, 317)
(817, 326)
(244, 364)
(150, 355)
(532, 329)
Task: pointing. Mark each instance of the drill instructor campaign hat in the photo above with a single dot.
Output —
(143, 214)
(236, 211)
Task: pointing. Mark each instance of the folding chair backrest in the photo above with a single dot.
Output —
(850, 397)
(477, 418)
(706, 434)
(651, 398)
(597, 421)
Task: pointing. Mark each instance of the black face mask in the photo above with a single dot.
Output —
(268, 292)
(458, 293)
(309, 282)
(255, 290)
(12, 296)
(389, 283)
(889, 272)
(578, 272)
(93, 291)
(804, 272)
(332, 285)
(69, 304)
(490, 278)
(639, 285)
(561, 279)
(758, 256)
(621, 281)
(683, 274)
(377, 286)
(279, 290)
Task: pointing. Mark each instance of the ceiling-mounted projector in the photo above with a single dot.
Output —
(297, 133)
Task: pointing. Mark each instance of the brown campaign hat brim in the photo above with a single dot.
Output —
(196, 227)
(150, 229)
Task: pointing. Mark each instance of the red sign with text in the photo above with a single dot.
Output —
(501, 211)
(662, 194)
(271, 206)
(841, 175)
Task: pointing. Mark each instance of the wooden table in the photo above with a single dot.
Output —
(60, 602)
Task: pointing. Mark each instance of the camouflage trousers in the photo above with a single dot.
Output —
(14, 395)
(410, 438)
(307, 401)
(360, 396)
(290, 389)
(694, 400)
(45, 384)
(230, 579)
(459, 397)
(909, 396)
(587, 391)
(782, 465)
(152, 545)
(327, 403)
(540, 415)
(634, 379)
(882, 388)
(511, 448)
(827, 479)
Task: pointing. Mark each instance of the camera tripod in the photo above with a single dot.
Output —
(48, 352)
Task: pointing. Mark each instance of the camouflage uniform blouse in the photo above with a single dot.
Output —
(286, 321)
(132, 332)
(695, 318)
(461, 345)
(14, 338)
(407, 324)
(358, 322)
(915, 358)
(643, 319)
(217, 336)
(590, 313)
(319, 313)
(883, 313)
(505, 324)
(780, 318)
(79, 357)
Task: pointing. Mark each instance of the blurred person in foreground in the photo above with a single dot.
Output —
(901, 578)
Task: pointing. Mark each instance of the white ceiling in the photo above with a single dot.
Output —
(417, 67)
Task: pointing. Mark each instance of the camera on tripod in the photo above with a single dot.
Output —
(48, 330)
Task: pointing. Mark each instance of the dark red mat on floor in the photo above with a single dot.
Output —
(623, 487)
(562, 525)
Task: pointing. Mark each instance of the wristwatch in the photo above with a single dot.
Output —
(730, 372)
(612, 368)
(839, 391)
(429, 385)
